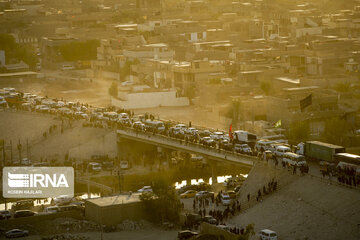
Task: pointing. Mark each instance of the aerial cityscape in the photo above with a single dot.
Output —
(180, 119)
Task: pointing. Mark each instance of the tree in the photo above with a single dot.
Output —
(75, 51)
(163, 204)
(249, 231)
(16, 52)
(334, 130)
(113, 90)
(299, 131)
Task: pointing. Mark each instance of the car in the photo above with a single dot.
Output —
(237, 188)
(225, 199)
(245, 149)
(232, 194)
(217, 136)
(23, 213)
(190, 134)
(186, 234)
(204, 194)
(22, 205)
(3, 102)
(177, 131)
(267, 234)
(71, 207)
(280, 150)
(5, 213)
(94, 167)
(209, 219)
(61, 200)
(188, 194)
(145, 189)
(207, 141)
(67, 67)
(226, 145)
(139, 126)
(16, 233)
(52, 209)
(26, 162)
(124, 165)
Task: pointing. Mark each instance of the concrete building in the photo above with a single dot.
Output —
(148, 98)
(150, 51)
(115, 209)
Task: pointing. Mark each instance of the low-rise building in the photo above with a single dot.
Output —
(115, 209)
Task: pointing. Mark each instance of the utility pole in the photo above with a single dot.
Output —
(119, 173)
(11, 156)
(27, 149)
(3, 150)
(19, 146)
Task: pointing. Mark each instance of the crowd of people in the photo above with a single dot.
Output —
(267, 189)
(348, 176)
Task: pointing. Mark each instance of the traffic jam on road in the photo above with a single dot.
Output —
(334, 160)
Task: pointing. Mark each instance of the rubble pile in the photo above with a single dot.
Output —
(74, 225)
(128, 225)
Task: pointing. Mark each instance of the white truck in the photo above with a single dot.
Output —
(240, 136)
(294, 159)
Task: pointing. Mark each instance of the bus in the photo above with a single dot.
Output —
(347, 158)
(292, 159)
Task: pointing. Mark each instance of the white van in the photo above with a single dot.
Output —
(52, 209)
(267, 234)
(263, 145)
(280, 150)
(293, 159)
(225, 199)
(67, 67)
(94, 167)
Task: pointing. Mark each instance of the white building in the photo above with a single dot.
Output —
(148, 98)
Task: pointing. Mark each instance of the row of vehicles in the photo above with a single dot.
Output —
(238, 141)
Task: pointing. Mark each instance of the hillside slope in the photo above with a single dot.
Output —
(303, 208)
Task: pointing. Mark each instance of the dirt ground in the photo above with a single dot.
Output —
(17, 126)
(80, 141)
(144, 234)
(305, 208)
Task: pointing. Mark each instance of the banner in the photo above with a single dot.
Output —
(278, 124)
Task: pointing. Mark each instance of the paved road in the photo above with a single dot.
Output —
(178, 144)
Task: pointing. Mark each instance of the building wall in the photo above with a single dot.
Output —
(114, 214)
(149, 100)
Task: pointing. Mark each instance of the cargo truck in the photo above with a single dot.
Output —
(320, 151)
(242, 137)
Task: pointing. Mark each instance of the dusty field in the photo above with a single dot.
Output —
(80, 142)
(24, 125)
(306, 208)
(145, 234)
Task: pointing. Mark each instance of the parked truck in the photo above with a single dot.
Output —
(241, 137)
(320, 151)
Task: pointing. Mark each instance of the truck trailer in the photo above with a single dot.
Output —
(241, 137)
(320, 151)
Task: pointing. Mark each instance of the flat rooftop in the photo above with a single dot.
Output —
(329, 145)
(289, 80)
(116, 200)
